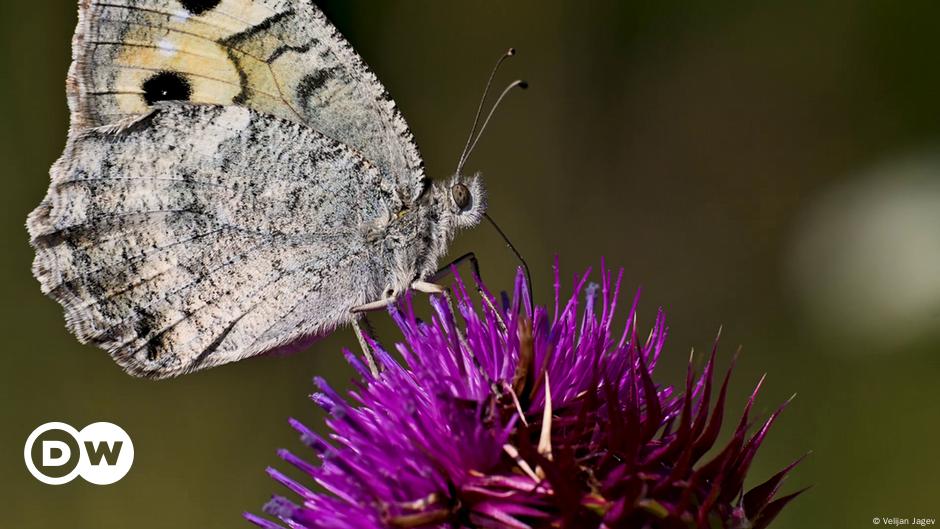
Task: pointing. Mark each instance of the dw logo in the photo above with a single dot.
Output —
(55, 453)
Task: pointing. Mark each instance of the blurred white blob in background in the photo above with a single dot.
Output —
(866, 258)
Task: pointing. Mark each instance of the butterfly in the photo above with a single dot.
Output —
(235, 181)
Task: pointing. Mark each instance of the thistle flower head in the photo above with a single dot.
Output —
(509, 416)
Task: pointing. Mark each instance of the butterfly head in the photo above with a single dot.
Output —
(465, 201)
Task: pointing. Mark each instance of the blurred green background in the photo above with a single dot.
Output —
(770, 167)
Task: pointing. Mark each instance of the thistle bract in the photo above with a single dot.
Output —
(505, 415)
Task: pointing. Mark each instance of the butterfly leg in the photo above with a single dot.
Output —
(435, 289)
(446, 270)
(470, 257)
(359, 314)
(428, 287)
(373, 305)
(364, 345)
(359, 311)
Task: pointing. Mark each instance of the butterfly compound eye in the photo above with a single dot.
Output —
(461, 195)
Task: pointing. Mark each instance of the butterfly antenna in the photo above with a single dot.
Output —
(476, 119)
(525, 266)
(520, 84)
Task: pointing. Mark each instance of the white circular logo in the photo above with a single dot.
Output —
(101, 453)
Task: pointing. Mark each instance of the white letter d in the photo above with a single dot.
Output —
(55, 453)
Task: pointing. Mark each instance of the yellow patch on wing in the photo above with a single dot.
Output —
(205, 64)
(231, 16)
(189, 45)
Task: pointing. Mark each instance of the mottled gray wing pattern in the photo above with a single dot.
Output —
(281, 57)
(199, 235)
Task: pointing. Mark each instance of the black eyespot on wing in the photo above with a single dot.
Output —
(198, 7)
(167, 86)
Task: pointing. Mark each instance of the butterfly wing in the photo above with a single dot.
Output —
(280, 57)
(198, 235)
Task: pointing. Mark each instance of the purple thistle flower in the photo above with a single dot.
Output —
(527, 419)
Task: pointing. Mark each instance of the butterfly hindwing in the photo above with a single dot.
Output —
(169, 248)
(280, 57)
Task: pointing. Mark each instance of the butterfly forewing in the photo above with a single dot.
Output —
(281, 57)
